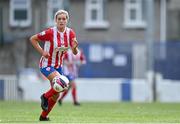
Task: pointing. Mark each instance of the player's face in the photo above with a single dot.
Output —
(61, 20)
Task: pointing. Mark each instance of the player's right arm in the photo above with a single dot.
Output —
(35, 42)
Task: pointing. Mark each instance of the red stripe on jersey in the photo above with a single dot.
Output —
(58, 39)
(71, 36)
(57, 58)
(61, 58)
(51, 50)
(66, 55)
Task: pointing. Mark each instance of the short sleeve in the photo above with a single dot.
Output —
(44, 35)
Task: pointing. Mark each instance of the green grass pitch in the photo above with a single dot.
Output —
(92, 112)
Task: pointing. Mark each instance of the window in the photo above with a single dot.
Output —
(20, 13)
(53, 7)
(134, 14)
(95, 14)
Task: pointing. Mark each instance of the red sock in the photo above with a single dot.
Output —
(50, 93)
(51, 103)
(63, 94)
(74, 93)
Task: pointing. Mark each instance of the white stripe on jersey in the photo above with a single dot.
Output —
(46, 48)
(54, 46)
(68, 35)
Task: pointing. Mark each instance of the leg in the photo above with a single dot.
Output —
(50, 73)
(63, 95)
(51, 102)
(50, 93)
(74, 94)
(49, 98)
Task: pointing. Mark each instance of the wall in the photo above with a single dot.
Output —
(29, 87)
(116, 31)
(128, 60)
(13, 56)
(106, 89)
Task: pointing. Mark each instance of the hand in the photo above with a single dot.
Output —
(75, 43)
(45, 54)
(62, 49)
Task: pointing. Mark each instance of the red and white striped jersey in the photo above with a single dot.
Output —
(56, 43)
(73, 62)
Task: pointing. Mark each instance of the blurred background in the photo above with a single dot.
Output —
(132, 48)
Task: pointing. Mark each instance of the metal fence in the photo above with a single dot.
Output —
(8, 87)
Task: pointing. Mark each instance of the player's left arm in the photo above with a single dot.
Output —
(73, 42)
(75, 46)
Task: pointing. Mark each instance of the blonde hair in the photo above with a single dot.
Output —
(59, 12)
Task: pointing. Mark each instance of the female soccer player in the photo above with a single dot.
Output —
(70, 69)
(57, 40)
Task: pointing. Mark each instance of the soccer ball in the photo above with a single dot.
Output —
(60, 83)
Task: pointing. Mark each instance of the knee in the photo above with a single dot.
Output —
(55, 97)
